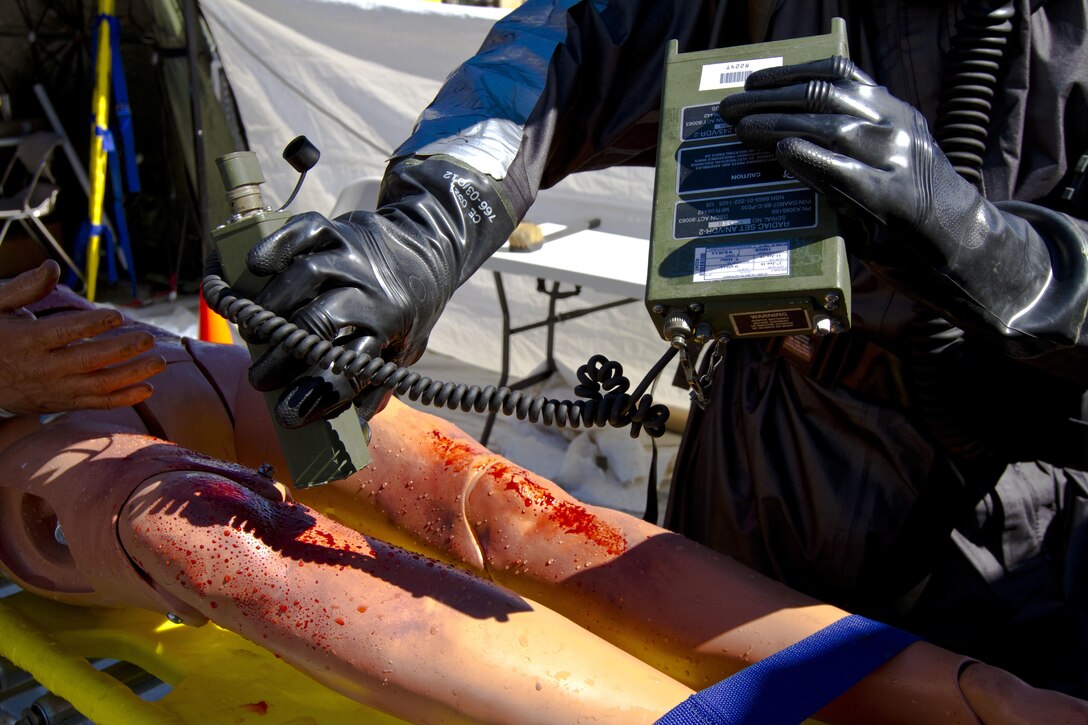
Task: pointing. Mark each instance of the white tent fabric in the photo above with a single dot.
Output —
(353, 76)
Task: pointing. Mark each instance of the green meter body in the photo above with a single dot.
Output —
(322, 451)
(738, 248)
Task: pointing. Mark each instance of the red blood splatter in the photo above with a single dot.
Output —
(570, 517)
(319, 537)
(340, 621)
(360, 609)
(261, 708)
(457, 455)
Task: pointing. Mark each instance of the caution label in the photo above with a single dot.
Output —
(776, 211)
(726, 166)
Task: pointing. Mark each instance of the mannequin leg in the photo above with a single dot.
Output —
(392, 629)
(151, 524)
(690, 612)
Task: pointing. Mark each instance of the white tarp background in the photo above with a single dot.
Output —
(353, 76)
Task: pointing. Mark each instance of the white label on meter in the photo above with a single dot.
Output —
(732, 74)
(742, 261)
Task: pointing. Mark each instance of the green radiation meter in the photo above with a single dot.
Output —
(322, 451)
(738, 247)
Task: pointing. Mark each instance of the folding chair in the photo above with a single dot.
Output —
(38, 195)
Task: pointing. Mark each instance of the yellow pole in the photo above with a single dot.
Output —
(100, 106)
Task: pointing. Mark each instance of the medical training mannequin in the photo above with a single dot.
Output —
(156, 525)
(927, 468)
(148, 523)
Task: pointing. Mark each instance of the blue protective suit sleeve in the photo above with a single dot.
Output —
(560, 86)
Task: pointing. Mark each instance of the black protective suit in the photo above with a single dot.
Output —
(923, 476)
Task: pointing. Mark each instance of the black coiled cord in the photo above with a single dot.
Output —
(973, 66)
(972, 71)
(602, 384)
(943, 389)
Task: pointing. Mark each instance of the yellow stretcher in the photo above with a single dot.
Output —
(216, 676)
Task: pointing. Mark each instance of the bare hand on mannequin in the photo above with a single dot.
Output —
(1001, 698)
(65, 362)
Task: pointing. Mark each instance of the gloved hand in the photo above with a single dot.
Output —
(922, 227)
(375, 282)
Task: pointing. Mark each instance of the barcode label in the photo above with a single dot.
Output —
(716, 76)
(736, 76)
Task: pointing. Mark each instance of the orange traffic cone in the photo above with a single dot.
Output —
(213, 327)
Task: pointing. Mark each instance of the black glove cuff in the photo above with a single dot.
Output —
(1022, 284)
(1058, 316)
(464, 211)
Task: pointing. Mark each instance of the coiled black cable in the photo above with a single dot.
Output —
(943, 390)
(938, 348)
(972, 69)
(602, 384)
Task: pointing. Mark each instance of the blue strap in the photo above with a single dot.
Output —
(122, 227)
(107, 138)
(83, 240)
(122, 109)
(119, 90)
(791, 685)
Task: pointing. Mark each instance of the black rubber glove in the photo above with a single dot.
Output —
(374, 282)
(922, 227)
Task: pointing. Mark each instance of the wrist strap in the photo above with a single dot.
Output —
(791, 685)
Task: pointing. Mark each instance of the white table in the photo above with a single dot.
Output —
(609, 263)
